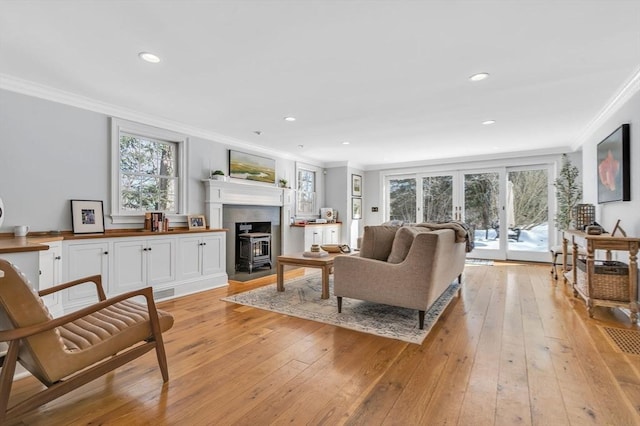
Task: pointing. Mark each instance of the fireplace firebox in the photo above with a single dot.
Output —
(253, 245)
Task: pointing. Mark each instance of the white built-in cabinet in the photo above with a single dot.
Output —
(142, 263)
(331, 234)
(321, 234)
(84, 258)
(50, 270)
(173, 265)
(198, 255)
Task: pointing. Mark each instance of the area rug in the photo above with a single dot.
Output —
(301, 299)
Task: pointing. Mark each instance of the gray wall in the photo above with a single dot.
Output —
(51, 153)
(338, 196)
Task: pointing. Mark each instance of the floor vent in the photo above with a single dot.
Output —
(163, 294)
(626, 341)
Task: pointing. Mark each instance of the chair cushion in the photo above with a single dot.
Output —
(377, 241)
(55, 354)
(402, 242)
(97, 336)
(108, 322)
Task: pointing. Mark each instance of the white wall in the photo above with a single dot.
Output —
(627, 211)
(51, 153)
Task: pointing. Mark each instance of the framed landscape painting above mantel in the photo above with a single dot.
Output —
(251, 167)
(614, 166)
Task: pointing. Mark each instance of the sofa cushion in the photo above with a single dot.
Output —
(377, 241)
(402, 243)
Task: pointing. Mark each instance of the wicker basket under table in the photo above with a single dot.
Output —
(610, 280)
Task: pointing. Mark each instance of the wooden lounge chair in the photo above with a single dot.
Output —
(67, 352)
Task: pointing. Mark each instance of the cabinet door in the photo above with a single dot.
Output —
(213, 258)
(51, 275)
(129, 266)
(190, 257)
(332, 234)
(161, 265)
(83, 260)
(312, 235)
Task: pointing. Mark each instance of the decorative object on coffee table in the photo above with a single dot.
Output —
(331, 248)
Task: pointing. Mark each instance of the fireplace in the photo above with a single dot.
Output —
(253, 245)
(263, 219)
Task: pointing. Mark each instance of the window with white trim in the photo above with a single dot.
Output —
(147, 171)
(306, 192)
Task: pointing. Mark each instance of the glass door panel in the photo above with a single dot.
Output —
(482, 211)
(527, 214)
(402, 199)
(437, 198)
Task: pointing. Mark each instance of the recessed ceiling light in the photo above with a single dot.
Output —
(479, 77)
(489, 122)
(300, 146)
(149, 57)
(289, 118)
(346, 143)
(257, 132)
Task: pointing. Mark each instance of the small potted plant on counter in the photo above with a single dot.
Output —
(283, 183)
(217, 175)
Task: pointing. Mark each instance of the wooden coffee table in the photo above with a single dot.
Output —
(297, 259)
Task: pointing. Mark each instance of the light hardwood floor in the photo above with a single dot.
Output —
(515, 348)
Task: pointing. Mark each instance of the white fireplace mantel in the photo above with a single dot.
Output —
(218, 193)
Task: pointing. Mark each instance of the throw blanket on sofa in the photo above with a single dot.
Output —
(464, 234)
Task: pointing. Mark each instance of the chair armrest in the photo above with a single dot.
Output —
(96, 279)
(20, 333)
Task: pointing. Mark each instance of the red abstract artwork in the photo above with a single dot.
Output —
(608, 170)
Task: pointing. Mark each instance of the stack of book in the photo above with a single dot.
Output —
(156, 222)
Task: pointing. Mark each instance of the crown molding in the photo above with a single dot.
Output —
(622, 96)
(30, 88)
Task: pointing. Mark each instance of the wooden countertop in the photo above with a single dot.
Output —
(302, 225)
(19, 244)
(37, 241)
(116, 233)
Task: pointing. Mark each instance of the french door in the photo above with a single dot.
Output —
(507, 207)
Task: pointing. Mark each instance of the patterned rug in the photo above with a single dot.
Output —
(301, 299)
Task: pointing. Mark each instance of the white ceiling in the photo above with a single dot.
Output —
(390, 77)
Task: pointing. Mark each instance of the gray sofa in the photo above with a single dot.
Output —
(409, 266)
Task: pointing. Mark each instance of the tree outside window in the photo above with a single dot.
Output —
(306, 192)
(148, 174)
(402, 199)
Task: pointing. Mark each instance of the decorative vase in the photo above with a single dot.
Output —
(1, 212)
